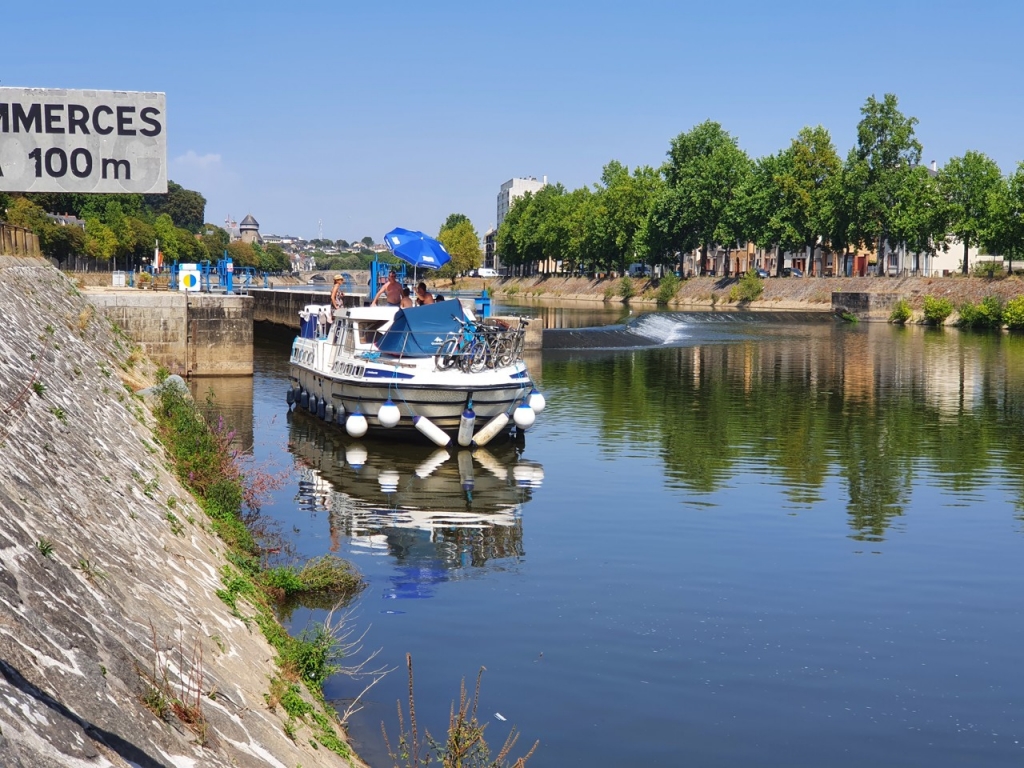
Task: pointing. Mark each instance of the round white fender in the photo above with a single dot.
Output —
(524, 417)
(431, 430)
(356, 424)
(490, 429)
(388, 414)
(536, 401)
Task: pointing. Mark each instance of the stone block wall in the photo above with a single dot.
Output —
(864, 305)
(189, 334)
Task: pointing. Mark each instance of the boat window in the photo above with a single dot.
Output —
(368, 331)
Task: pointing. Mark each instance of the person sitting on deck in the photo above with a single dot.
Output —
(406, 299)
(422, 297)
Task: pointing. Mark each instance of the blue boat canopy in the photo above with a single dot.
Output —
(420, 331)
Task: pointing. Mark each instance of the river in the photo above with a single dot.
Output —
(750, 540)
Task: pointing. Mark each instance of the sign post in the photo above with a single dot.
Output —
(55, 140)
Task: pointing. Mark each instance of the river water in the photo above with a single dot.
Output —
(742, 540)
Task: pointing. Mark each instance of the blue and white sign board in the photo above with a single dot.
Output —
(188, 277)
(55, 140)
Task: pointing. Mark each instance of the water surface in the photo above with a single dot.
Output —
(785, 541)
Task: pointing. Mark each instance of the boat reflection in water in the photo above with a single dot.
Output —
(441, 514)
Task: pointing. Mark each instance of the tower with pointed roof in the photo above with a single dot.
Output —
(250, 229)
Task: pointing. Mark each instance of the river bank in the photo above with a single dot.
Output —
(787, 293)
(116, 647)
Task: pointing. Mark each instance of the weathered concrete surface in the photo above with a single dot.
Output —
(191, 334)
(127, 592)
(867, 306)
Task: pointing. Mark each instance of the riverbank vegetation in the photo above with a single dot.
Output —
(206, 464)
(709, 194)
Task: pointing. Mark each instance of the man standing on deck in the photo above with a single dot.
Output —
(392, 289)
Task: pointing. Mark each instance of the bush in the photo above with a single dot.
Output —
(626, 288)
(937, 310)
(987, 269)
(1013, 314)
(667, 288)
(900, 312)
(987, 314)
(749, 288)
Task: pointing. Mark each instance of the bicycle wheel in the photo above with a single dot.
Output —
(503, 350)
(447, 355)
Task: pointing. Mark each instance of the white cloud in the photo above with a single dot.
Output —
(192, 159)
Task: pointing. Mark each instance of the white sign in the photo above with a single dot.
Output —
(188, 277)
(82, 141)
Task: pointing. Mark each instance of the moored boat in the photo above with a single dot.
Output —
(435, 370)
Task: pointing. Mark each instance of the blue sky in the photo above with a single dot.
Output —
(374, 115)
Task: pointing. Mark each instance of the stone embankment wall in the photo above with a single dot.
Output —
(812, 293)
(108, 574)
(191, 334)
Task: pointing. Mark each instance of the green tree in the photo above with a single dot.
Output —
(452, 220)
(214, 240)
(242, 253)
(886, 152)
(1005, 231)
(367, 241)
(810, 168)
(62, 242)
(167, 237)
(100, 240)
(186, 207)
(625, 203)
(705, 168)
(22, 212)
(920, 218)
(761, 206)
(968, 183)
(463, 245)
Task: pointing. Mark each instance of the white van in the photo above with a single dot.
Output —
(486, 272)
(637, 270)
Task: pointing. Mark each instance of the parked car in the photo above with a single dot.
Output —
(485, 272)
(792, 272)
(762, 273)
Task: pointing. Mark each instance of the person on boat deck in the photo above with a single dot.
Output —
(392, 289)
(422, 297)
(337, 294)
(406, 298)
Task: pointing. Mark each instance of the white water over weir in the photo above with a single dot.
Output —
(672, 329)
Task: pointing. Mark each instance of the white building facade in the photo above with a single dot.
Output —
(516, 188)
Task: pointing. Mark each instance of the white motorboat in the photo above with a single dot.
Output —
(434, 369)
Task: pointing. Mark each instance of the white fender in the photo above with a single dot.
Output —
(356, 424)
(466, 425)
(490, 429)
(524, 417)
(431, 430)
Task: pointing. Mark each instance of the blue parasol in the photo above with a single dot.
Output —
(416, 248)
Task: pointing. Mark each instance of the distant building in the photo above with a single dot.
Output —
(66, 220)
(250, 230)
(490, 255)
(516, 188)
